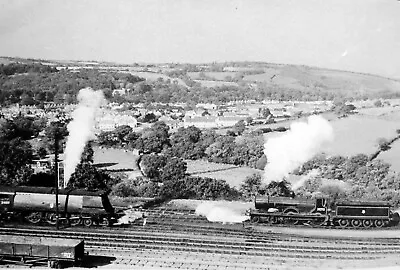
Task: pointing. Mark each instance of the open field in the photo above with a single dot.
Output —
(219, 76)
(359, 134)
(232, 174)
(114, 159)
(205, 83)
(152, 76)
(303, 77)
(392, 156)
(118, 159)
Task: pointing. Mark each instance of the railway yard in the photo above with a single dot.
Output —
(177, 239)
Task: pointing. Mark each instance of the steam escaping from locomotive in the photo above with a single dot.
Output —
(217, 213)
(296, 146)
(81, 128)
(304, 179)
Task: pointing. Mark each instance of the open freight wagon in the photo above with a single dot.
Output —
(35, 251)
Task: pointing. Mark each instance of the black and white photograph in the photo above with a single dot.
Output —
(200, 134)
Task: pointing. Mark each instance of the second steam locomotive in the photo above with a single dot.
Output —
(38, 204)
(321, 211)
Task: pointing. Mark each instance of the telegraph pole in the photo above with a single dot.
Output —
(56, 169)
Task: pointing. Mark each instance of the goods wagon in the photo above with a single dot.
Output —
(32, 251)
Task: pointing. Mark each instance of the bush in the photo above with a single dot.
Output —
(280, 129)
(198, 188)
(138, 187)
(251, 186)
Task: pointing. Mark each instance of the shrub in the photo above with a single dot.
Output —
(198, 188)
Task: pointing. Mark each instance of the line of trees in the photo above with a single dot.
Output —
(35, 84)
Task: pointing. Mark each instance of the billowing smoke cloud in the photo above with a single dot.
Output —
(215, 213)
(296, 146)
(130, 216)
(81, 128)
(304, 178)
(334, 188)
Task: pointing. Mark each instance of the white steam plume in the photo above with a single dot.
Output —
(81, 128)
(296, 146)
(303, 179)
(215, 213)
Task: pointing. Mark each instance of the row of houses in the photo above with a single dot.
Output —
(109, 122)
(212, 121)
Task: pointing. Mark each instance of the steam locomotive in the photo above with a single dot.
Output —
(322, 211)
(38, 204)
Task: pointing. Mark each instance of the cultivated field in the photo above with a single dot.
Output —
(205, 83)
(118, 159)
(303, 77)
(114, 159)
(219, 76)
(232, 174)
(152, 76)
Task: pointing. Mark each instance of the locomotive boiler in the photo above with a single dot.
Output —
(38, 204)
(323, 211)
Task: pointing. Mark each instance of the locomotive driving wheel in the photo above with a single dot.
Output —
(255, 219)
(289, 219)
(51, 218)
(319, 221)
(367, 223)
(34, 217)
(88, 222)
(343, 223)
(379, 223)
(105, 222)
(356, 223)
(75, 220)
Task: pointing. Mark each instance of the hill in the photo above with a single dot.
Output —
(304, 77)
(254, 74)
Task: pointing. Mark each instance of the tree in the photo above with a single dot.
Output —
(18, 127)
(251, 185)
(107, 138)
(240, 127)
(149, 118)
(88, 177)
(383, 144)
(261, 162)
(58, 129)
(264, 112)
(174, 169)
(87, 154)
(334, 190)
(41, 152)
(281, 188)
(186, 143)
(378, 103)
(154, 139)
(151, 166)
(121, 132)
(221, 150)
(345, 109)
(27, 99)
(15, 157)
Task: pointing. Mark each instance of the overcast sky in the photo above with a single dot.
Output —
(357, 35)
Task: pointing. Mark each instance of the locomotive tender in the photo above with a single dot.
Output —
(37, 204)
(321, 211)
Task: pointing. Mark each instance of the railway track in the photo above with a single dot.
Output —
(237, 243)
(181, 239)
(161, 215)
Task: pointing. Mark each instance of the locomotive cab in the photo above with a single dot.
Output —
(321, 205)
